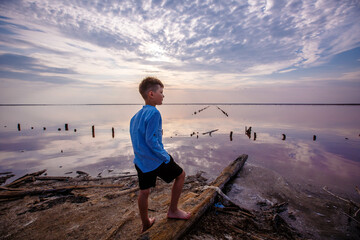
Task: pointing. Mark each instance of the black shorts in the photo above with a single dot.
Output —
(167, 172)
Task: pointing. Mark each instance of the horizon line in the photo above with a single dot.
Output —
(119, 104)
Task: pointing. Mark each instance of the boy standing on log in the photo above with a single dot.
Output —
(151, 159)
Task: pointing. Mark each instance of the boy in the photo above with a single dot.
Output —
(151, 159)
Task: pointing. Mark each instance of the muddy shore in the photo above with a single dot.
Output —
(309, 212)
(107, 209)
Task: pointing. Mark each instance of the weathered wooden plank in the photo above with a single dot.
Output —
(170, 229)
(18, 194)
(50, 178)
(27, 177)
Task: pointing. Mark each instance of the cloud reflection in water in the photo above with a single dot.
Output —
(330, 160)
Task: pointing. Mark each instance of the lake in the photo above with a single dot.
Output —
(294, 150)
(312, 143)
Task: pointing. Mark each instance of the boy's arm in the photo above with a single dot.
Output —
(153, 137)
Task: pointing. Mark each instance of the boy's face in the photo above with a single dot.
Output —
(157, 96)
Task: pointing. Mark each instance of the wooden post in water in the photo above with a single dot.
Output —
(93, 131)
(19, 127)
(231, 133)
(113, 132)
(66, 127)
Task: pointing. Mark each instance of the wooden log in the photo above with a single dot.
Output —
(45, 178)
(12, 189)
(341, 198)
(19, 194)
(104, 178)
(210, 132)
(25, 178)
(20, 181)
(175, 229)
(6, 177)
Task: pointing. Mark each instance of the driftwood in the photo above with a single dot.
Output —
(117, 227)
(225, 113)
(210, 132)
(201, 110)
(45, 178)
(175, 229)
(236, 212)
(6, 177)
(10, 194)
(12, 189)
(104, 178)
(35, 176)
(245, 224)
(25, 178)
(341, 198)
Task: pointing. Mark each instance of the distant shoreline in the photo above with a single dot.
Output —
(124, 104)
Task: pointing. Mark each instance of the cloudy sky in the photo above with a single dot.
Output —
(67, 51)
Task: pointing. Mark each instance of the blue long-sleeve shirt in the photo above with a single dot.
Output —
(146, 138)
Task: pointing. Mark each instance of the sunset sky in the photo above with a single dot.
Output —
(278, 51)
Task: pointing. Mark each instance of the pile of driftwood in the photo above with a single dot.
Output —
(353, 207)
(235, 222)
(271, 221)
(13, 190)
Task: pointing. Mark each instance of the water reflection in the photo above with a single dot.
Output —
(304, 143)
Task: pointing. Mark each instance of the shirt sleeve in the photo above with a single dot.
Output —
(153, 137)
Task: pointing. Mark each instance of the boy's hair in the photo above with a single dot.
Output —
(149, 84)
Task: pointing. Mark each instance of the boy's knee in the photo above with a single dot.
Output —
(182, 175)
(145, 192)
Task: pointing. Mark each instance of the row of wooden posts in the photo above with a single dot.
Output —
(67, 129)
(44, 128)
(247, 132)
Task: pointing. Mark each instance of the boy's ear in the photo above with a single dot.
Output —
(150, 93)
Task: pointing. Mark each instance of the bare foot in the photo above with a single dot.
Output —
(151, 222)
(179, 214)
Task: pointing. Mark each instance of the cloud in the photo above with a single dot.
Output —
(200, 42)
(213, 36)
(25, 68)
(19, 62)
(58, 80)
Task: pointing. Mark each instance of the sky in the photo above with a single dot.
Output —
(254, 51)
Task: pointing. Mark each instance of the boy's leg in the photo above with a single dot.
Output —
(143, 209)
(174, 211)
(146, 181)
